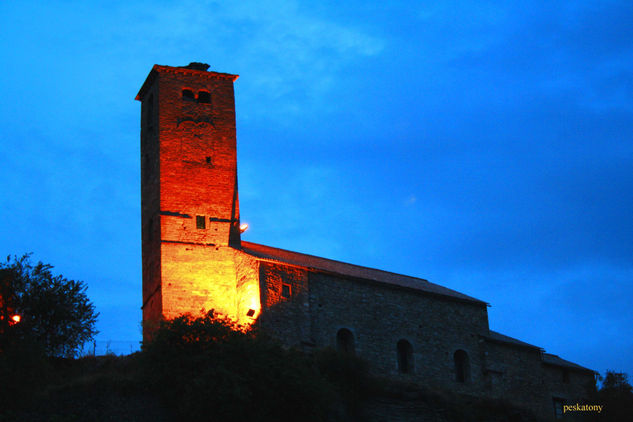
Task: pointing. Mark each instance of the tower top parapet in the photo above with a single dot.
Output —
(194, 68)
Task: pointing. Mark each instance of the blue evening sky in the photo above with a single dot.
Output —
(484, 146)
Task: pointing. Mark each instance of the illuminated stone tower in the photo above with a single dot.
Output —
(189, 206)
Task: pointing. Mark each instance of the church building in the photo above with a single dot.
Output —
(194, 261)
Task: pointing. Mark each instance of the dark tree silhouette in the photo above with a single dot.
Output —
(616, 395)
(616, 383)
(36, 305)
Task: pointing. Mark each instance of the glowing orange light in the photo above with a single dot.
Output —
(243, 227)
(16, 318)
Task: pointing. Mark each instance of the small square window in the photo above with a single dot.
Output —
(201, 222)
(250, 313)
(187, 95)
(285, 291)
(204, 97)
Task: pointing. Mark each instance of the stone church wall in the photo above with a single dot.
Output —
(285, 303)
(380, 316)
(515, 373)
(568, 385)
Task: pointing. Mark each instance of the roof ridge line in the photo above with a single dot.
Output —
(345, 263)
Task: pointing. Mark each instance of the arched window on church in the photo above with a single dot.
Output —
(462, 366)
(345, 341)
(405, 357)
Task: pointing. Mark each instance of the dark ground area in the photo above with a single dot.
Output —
(203, 370)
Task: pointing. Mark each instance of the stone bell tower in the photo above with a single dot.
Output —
(189, 200)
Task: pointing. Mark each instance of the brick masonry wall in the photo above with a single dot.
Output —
(198, 159)
(188, 170)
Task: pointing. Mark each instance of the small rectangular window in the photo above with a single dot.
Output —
(187, 95)
(204, 97)
(201, 222)
(285, 291)
(558, 407)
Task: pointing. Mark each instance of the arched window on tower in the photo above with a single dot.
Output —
(462, 366)
(405, 357)
(345, 341)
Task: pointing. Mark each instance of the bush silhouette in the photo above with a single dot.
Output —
(210, 369)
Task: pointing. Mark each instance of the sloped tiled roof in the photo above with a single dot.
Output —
(502, 338)
(350, 270)
(550, 359)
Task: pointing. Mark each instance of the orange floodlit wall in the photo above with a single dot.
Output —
(200, 278)
(190, 206)
(248, 305)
